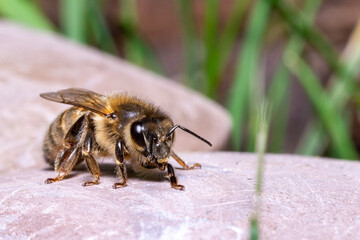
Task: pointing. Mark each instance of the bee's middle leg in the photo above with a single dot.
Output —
(120, 165)
(91, 163)
(94, 170)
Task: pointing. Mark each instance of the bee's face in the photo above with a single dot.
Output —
(152, 143)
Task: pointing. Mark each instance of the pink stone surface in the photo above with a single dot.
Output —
(303, 198)
(35, 62)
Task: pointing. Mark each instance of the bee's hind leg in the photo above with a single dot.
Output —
(183, 163)
(70, 152)
(90, 161)
(64, 163)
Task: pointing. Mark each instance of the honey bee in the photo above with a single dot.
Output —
(117, 125)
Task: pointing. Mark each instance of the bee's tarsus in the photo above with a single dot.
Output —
(119, 185)
(183, 163)
(90, 183)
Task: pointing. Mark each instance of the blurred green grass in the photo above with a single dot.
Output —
(209, 52)
(263, 113)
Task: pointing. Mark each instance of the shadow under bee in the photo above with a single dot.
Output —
(108, 170)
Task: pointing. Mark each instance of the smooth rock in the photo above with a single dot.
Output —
(35, 62)
(302, 198)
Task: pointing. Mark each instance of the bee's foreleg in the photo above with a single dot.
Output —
(91, 164)
(120, 165)
(183, 163)
(172, 177)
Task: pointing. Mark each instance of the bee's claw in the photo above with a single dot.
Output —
(90, 183)
(50, 180)
(119, 185)
(178, 187)
(58, 178)
(195, 166)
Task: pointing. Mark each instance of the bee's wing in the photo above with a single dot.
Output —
(81, 98)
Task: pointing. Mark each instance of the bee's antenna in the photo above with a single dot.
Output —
(188, 131)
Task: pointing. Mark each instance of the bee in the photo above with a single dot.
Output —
(117, 125)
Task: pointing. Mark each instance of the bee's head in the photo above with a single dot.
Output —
(151, 140)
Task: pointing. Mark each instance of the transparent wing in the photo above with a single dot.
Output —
(81, 98)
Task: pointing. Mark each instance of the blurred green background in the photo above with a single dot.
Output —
(301, 58)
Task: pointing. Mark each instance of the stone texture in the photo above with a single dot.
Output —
(35, 62)
(303, 198)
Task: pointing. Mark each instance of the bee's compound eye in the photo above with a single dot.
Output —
(137, 135)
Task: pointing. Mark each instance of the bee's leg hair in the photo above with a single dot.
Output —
(183, 163)
(70, 152)
(91, 163)
(172, 177)
(120, 165)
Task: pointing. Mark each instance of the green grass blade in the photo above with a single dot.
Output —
(246, 69)
(300, 24)
(128, 20)
(128, 13)
(210, 40)
(231, 31)
(341, 89)
(278, 94)
(73, 16)
(279, 90)
(261, 141)
(340, 92)
(262, 126)
(99, 27)
(254, 229)
(192, 65)
(257, 93)
(219, 56)
(148, 57)
(314, 141)
(211, 24)
(334, 124)
(25, 12)
(136, 49)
